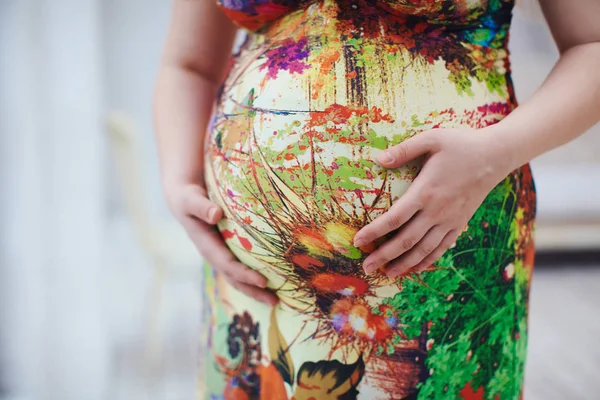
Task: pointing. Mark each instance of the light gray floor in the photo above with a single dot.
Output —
(564, 346)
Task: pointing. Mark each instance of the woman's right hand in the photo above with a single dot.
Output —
(198, 215)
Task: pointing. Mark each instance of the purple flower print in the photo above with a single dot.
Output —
(289, 56)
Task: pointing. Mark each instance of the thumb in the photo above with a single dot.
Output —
(400, 154)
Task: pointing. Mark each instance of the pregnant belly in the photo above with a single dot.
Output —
(296, 185)
(290, 158)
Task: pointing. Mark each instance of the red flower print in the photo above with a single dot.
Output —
(344, 285)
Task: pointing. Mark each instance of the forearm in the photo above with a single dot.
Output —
(565, 106)
(193, 66)
(182, 108)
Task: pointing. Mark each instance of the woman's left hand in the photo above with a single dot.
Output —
(461, 167)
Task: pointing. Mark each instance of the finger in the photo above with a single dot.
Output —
(241, 273)
(418, 253)
(410, 234)
(400, 154)
(207, 240)
(211, 246)
(197, 205)
(262, 295)
(399, 213)
(446, 244)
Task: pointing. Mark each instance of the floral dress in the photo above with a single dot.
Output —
(314, 92)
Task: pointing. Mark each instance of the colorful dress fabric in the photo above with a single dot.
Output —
(315, 91)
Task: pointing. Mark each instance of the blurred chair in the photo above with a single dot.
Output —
(171, 252)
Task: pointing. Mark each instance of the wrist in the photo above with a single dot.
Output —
(181, 168)
(173, 182)
(505, 148)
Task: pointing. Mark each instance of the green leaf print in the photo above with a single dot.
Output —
(346, 171)
(462, 81)
(495, 81)
(479, 276)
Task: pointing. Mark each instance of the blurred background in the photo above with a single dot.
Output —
(99, 288)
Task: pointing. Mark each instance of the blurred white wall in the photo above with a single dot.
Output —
(53, 200)
(22, 287)
(564, 177)
(134, 33)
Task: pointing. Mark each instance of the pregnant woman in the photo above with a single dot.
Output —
(356, 177)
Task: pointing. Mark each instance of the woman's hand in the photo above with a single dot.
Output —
(198, 215)
(194, 65)
(461, 167)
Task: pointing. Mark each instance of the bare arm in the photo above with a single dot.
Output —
(568, 103)
(194, 64)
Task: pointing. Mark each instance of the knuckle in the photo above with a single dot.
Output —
(432, 138)
(425, 196)
(401, 150)
(416, 200)
(441, 214)
(407, 243)
(426, 250)
(394, 221)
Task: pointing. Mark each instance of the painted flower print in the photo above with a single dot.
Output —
(316, 90)
(289, 56)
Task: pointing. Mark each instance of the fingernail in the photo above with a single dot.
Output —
(391, 273)
(212, 213)
(261, 283)
(359, 242)
(369, 267)
(396, 272)
(385, 158)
